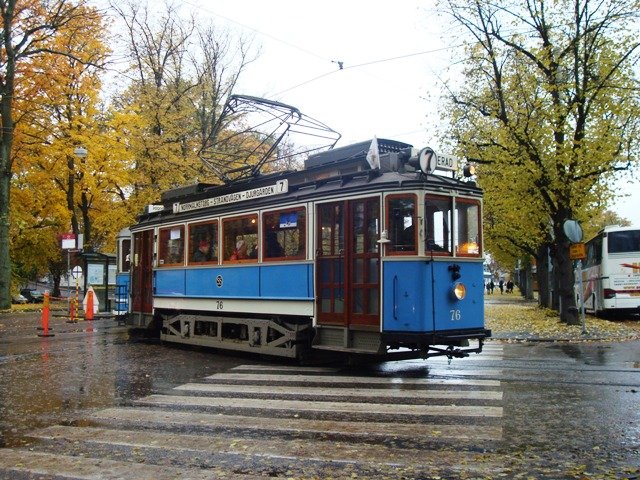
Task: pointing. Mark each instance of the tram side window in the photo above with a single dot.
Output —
(467, 231)
(401, 224)
(284, 234)
(438, 225)
(203, 242)
(171, 246)
(240, 239)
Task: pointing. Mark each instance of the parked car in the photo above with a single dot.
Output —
(19, 299)
(32, 295)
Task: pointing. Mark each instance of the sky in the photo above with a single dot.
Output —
(394, 57)
(387, 71)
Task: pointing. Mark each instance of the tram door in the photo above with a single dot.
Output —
(348, 264)
(142, 272)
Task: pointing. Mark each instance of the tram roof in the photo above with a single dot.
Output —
(343, 168)
(353, 151)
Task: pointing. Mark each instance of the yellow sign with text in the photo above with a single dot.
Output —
(577, 251)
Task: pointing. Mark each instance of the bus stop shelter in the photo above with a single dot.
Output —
(100, 273)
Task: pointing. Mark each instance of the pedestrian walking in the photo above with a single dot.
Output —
(509, 286)
(501, 286)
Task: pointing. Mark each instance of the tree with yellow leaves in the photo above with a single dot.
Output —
(181, 75)
(28, 31)
(69, 161)
(548, 108)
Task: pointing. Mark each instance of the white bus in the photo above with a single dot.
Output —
(611, 271)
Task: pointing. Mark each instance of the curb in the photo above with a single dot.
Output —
(586, 338)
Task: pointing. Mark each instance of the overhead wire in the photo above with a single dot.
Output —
(365, 64)
(248, 27)
(341, 63)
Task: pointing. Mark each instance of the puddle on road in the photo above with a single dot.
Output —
(49, 380)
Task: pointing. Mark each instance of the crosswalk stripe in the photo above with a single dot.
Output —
(292, 449)
(66, 466)
(341, 392)
(352, 380)
(285, 368)
(291, 420)
(486, 370)
(406, 431)
(315, 406)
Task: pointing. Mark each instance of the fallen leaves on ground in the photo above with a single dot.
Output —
(527, 321)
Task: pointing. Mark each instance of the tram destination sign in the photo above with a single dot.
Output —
(447, 162)
(280, 187)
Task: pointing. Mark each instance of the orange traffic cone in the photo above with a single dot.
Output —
(44, 319)
(72, 312)
(88, 311)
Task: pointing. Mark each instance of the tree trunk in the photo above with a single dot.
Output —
(57, 269)
(544, 290)
(528, 293)
(6, 143)
(525, 280)
(86, 220)
(5, 259)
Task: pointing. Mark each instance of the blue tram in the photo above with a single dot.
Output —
(379, 258)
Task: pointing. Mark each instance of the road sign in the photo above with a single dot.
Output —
(68, 241)
(76, 272)
(577, 251)
(572, 230)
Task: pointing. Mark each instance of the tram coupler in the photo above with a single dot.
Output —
(450, 352)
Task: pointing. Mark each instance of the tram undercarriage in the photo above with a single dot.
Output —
(293, 338)
(272, 336)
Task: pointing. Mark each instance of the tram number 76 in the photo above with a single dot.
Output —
(219, 305)
(455, 315)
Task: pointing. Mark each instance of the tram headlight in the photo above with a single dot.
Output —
(459, 291)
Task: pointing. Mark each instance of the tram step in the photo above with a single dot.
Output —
(335, 348)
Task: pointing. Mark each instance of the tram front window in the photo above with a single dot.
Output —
(467, 232)
(402, 218)
(438, 224)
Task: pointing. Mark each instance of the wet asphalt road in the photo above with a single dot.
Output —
(540, 410)
(85, 365)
